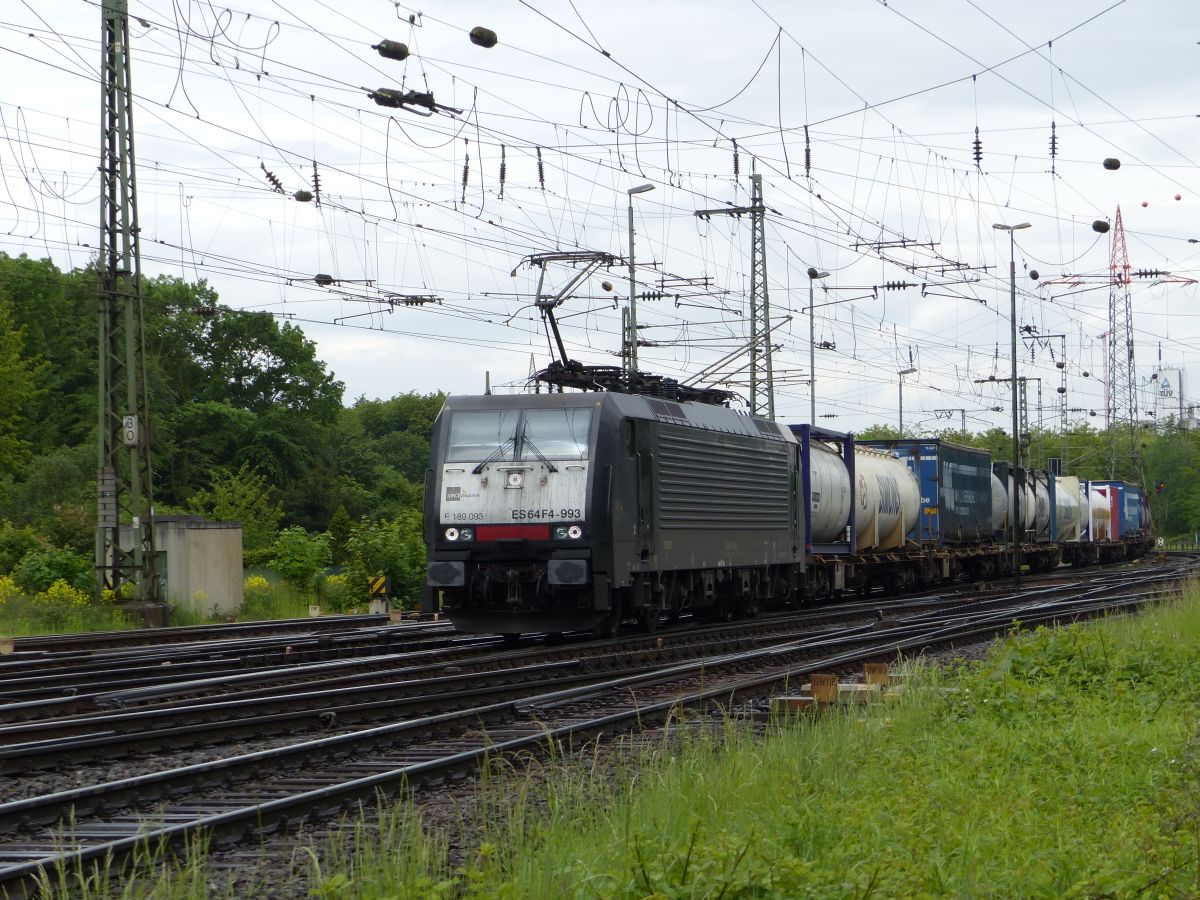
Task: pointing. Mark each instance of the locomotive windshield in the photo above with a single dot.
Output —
(510, 434)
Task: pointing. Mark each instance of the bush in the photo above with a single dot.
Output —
(14, 544)
(299, 556)
(62, 594)
(395, 549)
(335, 593)
(255, 586)
(9, 592)
(41, 568)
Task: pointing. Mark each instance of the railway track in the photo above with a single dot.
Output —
(255, 702)
(263, 790)
(41, 684)
(142, 637)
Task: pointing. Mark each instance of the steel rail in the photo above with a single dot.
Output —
(273, 810)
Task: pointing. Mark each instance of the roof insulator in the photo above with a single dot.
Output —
(391, 49)
(483, 37)
(303, 196)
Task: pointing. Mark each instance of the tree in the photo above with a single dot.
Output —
(395, 549)
(242, 496)
(300, 557)
(18, 388)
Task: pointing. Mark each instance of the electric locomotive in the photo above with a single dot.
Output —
(569, 511)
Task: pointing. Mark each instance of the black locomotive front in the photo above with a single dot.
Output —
(515, 530)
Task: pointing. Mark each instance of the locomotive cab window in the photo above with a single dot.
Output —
(557, 433)
(476, 435)
(514, 434)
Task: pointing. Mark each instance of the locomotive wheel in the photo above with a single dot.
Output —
(648, 619)
(608, 629)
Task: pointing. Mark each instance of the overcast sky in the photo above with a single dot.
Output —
(618, 94)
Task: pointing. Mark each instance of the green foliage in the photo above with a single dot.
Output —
(242, 496)
(264, 600)
(340, 526)
(41, 567)
(393, 548)
(19, 377)
(14, 544)
(59, 608)
(878, 433)
(300, 557)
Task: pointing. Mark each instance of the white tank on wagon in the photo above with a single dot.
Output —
(829, 497)
(1100, 513)
(888, 500)
(1041, 508)
(1067, 508)
(999, 505)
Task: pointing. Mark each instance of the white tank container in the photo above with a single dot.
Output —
(999, 505)
(1067, 508)
(829, 500)
(1041, 509)
(889, 499)
(1028, 506)
(1101, 515)
(1008, 499)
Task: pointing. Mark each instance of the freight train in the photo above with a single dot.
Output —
(573, 511)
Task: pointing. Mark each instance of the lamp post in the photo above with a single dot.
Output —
(902, 373)
(1016, 488)
(631, 338)
(813, 275)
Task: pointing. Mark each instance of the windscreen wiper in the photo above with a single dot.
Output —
(494, 455)
(526, 442)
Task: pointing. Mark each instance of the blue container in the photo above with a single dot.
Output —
(1132, 512)
(956, 489)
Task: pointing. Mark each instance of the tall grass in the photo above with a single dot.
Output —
(21, 616)
(1065, 765)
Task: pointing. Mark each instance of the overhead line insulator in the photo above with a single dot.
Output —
(391, 50)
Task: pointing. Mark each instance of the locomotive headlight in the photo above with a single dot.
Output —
(515, 480)
(560, 532)
(574, 532)
(450, 534)
(466, 534)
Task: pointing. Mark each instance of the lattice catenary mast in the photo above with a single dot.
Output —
(1122, 374)
(124, 476)
(762, 376)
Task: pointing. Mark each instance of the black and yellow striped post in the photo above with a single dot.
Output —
(380, 589)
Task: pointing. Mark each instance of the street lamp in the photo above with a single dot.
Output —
(632, 336)
(1012, 296)
(813, 275)
(902, 373)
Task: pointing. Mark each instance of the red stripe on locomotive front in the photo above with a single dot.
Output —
(512, 532)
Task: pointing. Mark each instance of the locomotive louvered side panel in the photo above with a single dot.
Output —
(706, 480)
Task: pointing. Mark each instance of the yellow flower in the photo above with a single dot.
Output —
(9, 590)
(256, 584)
(62, 594)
